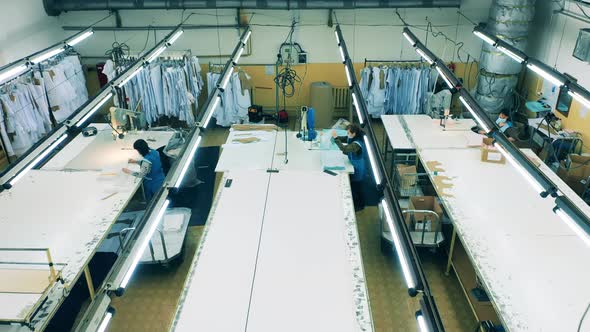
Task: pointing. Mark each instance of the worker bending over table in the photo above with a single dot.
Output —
(355, 150)
(150, 168)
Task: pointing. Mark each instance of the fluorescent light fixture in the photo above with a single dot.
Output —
(355, 103)
(47, 55)
(445, 78)
(128, 78)
(409, 38)
(246, 37)
(12, 72)
(211, 110)
(426, 57)
(479, 121)
(156, 53)
(484, 37)
(348, 78)
(511, 54)
(373, 161)
(188, 162)
(573, 225)
(421, 322)
(94, 109)
(239, 54)
(545, 74)
(105, 322)
(175, 36)
(38, 159)
(144, 244)
(538, 188)
(342, 53)
(395, 234)
(580, 98)
(225, 79)
(80, 38)
(337, 37)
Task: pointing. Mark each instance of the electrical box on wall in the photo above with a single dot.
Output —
(293, 54)
(582, 49)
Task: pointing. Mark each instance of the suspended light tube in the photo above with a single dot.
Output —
(144, 245)
(175, 36)
(424, 56)
(520, 169)
(445, 78)
(422, 327)
(337, 37)
(482, 120)
(579, 93)
(546, 72)
(156, 53)
(348, 78)
(225, 79)
(40, 58)
(410, 37)
(37, 160)
(211, 110)
(128, 78)
(511, 54)
(575, 219)
(96, 107)
(191, 154)
(105, 321)
(342, 54)
(484, 36)
(246, 36)
(77, 39)
(238, 55)
(373, 161)
(355, 103)
(10, 73)
(396, 235)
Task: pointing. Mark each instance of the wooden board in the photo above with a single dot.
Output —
(24, 281)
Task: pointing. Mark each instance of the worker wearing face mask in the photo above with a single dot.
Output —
(503, 122)
(355, 150)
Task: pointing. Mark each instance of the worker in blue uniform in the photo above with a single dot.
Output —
(150, 168)
(356, 151)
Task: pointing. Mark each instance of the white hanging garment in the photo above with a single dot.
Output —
(376, 98)
(242, 99)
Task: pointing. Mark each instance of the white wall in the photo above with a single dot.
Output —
(555, 37)
(374, 34)
(26, 29)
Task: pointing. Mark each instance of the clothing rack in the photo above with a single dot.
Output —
(408, 62)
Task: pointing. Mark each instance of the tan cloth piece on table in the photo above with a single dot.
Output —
(242, 127)
(246, 140)
(24, 281)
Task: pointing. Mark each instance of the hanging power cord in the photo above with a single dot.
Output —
(583, 316)
(287, 77)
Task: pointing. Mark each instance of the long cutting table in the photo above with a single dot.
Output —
(67, 206)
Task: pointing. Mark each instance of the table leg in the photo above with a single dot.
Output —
(89, 282)
(453, 237)
(52, 272)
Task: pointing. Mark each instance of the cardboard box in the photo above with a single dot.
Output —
(407, 176)
(489, 153)
(578, 170)
(429, 203)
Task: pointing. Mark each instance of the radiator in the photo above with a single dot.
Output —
(341, 97)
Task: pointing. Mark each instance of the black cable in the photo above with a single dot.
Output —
(583, 316)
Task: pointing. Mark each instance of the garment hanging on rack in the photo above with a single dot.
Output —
(24, 122)
(167, 88)
(376, 96)
(65, 85)
(235, 101)
(407, 90)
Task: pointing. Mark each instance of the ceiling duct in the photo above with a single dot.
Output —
(56, 7)
(510, 20)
